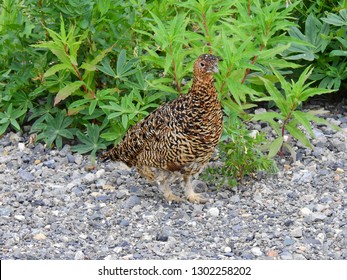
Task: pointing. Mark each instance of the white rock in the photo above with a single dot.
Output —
(256, 251)
(19, 217)
(100, 173)
(90, 177)
(21, 146)
(39, 236)
(227, 249)
(305, 212)
(321, 237)
(83, 236)
(118, 250)
(78, 159)
(213, 211)
(79, 255)
(297, 232)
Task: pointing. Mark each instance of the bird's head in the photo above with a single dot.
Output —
(206, 64)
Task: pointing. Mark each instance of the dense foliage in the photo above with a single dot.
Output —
(85, 71)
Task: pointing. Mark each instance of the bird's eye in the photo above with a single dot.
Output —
(202, 64)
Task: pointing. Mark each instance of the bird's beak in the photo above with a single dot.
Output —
(215, 69)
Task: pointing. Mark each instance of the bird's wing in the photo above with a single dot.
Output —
(144, 133)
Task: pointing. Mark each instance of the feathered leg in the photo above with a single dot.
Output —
(191, 195)
(168, 194)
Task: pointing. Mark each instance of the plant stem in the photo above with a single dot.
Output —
(254, 60)
(175, 71)
(78, 73)
(226, 77)
(204, 22)
(284, 125)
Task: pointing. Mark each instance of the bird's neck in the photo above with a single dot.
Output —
(203, 88)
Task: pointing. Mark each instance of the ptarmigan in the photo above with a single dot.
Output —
(177, 139)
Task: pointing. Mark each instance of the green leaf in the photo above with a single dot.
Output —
(103, 6)
(277, 96)
(275, 146)
(106, 68)
(58, 67)
(268, 116)
(303, 120)
(296, 133)
(67, 91)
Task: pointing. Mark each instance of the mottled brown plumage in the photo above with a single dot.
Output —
(178, 138)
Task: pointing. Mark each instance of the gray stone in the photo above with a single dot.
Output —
(89, 177)
(70, 158)
(78, 159)
(306, 177)
(288, 241)
(297, 233)
(235, 199)
(311, 241)
(79, 255)
(124, 223)
(65, 150)
(316, 216)
(39, 149)
(49, 163)
(256, 251)
(5, 211)
(299, 257)
(26, 176)
(286, 256)
(131, 202)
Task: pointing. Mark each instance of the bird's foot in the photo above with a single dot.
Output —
(196, 197)
(172, 197)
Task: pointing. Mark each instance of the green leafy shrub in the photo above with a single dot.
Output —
(242, 155)
(289, 118)
(86, 71)
(324, 32)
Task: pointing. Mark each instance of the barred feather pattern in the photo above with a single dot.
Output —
(179, 136)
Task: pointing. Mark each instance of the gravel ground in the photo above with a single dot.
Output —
(53, 207)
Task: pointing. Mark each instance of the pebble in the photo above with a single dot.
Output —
(339, 170)
(288, 241)
(19, 217)
(321, 237)
(297, 233)
(70, 158)
(316, 216)
(305, 212)
(78, 159)
(213, 211)
(286, 256)
(49, 163)
(39, 236)
(256, 251)
(100, 173)
(227, 249)
(272, 254)
(5, 211)
(131, 202)
(89, 177)
(21, 147)
(124, 223)
(26, 176)
(79, 255)
(65, 150)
